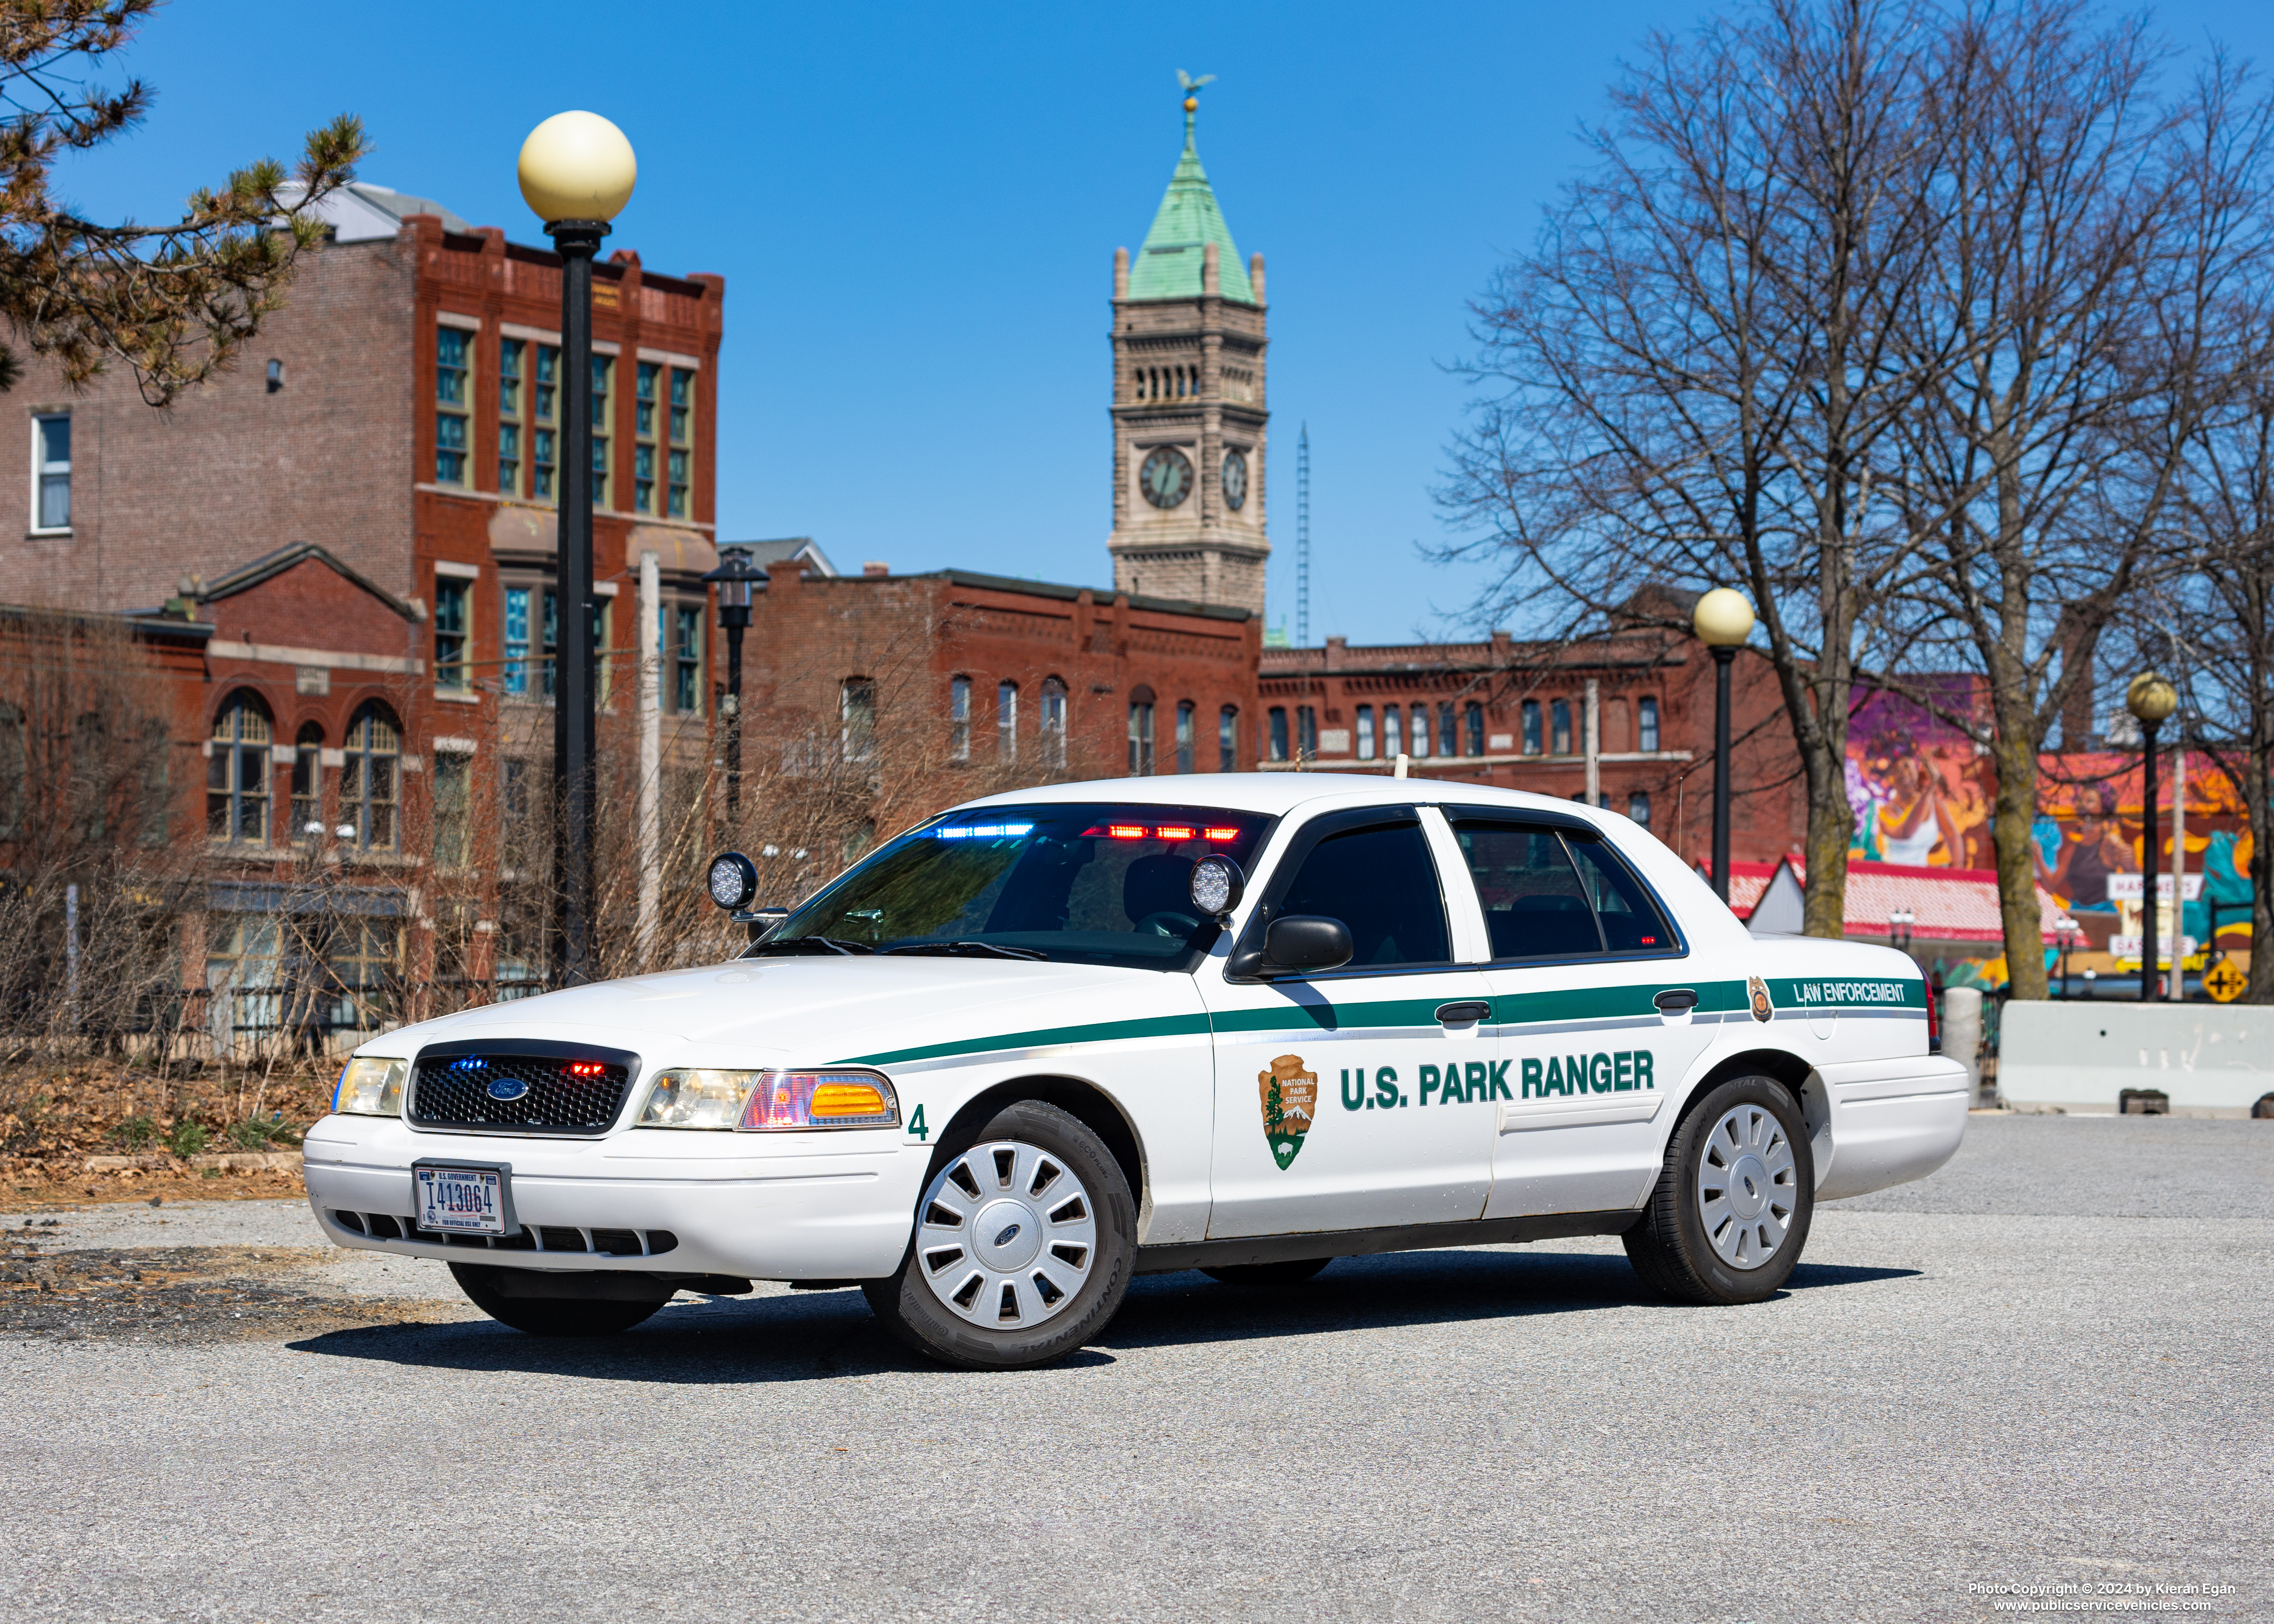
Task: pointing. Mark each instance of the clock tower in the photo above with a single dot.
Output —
(1188, 403)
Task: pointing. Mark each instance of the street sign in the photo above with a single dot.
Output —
(2225, 982)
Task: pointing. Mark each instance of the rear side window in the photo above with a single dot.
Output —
(1381, 883)
(1546, 896)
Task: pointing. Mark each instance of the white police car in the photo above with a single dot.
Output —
(1245, 1023)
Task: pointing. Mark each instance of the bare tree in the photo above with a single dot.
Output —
(1694, 372)
(2095, 235)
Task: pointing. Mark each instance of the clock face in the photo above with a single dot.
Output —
(1235, 480)
(1166, 477)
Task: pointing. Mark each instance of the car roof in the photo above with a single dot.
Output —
(1278, 794)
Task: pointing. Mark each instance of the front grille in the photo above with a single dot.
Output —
(546, 1238)
(562, 1087)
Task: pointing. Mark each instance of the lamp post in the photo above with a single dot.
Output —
(2151, 699)
(1899, 928)
(1724, 620)
(2066, 929)
(735, 578)
(577, 172)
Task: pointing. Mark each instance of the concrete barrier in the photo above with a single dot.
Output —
(2205, 1059)
(1961, 1035)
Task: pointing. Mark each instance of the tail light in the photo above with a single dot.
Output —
(1933, 1021)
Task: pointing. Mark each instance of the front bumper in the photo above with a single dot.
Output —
(835, 1205)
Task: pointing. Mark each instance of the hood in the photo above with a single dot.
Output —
(805, 1012)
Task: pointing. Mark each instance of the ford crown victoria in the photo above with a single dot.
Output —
(1246, 1023)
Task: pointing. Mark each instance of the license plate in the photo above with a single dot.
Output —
(462, 1200)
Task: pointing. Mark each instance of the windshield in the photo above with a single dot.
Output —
(1089, 883)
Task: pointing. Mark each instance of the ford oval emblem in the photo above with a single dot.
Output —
(506, 1088)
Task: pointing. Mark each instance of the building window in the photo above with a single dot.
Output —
(512, 357)
(15, 773)
(514, 677)
(1421, 730)
(604, 374)
(51, 471)
(370, 777)
(645, 381)
(1447, 743)
(450, 595)
(959, 719)
(308, 782)
(1278, 718)
(686, 646)
(453, 777)
(1646, 729)
(1183, 735)
(1366, 733)
(858, 707)
(1559, 716)
(1474, 715)
(454, 362)
(1638, 806)
(544, 419)
(1227, 740)
(1007, 721)
(236, 777)
(1051, 722)
(1140, 734)
(680, 461)
(1531, 727)
(1393, 732)
(1307, 733)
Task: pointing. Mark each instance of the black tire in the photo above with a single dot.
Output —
(914, 1313)
(548, 1316)
(1671, 1248)
(1293, 1272)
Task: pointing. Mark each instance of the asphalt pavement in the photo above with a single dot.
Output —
(2045, 1367)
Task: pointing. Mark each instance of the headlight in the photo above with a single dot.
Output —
(371, 1088)
(757, 1101)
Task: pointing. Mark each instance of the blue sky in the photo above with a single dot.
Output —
(917, 207)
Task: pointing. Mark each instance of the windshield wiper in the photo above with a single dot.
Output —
(807, 944)
(970, 950)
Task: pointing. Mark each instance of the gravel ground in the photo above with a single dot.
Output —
(2046, 1365)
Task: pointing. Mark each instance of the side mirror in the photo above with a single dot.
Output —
(762, 921)
(1296, 943)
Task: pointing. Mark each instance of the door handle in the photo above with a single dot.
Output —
(1676, 1000)
(1453, 1014)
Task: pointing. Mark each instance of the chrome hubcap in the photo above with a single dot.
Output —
(1006, 1236)
(1747, 1186)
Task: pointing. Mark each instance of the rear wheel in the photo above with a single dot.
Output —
(1022, 1248)
(1735, 1196)
(1288, 1274)
(548, 1316)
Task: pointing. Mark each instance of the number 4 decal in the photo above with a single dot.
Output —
(917, 1126)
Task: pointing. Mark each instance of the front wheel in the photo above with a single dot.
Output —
(548, 1316)
(1735, 1196)
(1023, 1249)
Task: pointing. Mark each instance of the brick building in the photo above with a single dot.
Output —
(360, 523)
(1625, 721)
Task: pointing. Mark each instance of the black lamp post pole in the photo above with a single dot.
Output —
(2150, 902)
(735, 619)
(1722, 656)
(575, 699)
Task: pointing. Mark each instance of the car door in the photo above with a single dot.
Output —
(1333, 1088)
(1592, 1002)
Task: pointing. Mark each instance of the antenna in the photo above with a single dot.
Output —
(1303, 538)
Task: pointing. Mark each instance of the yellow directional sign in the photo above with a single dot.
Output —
(2225, 982)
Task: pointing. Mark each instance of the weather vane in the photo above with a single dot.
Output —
(1191, 88)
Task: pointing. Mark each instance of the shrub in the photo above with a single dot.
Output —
(187, 1139)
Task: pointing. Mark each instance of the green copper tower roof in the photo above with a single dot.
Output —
(1169, 265)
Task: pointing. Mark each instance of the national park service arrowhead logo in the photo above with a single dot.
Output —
(1291, 1094)
(1762, 1008)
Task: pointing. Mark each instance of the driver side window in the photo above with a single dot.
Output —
(1381, 883)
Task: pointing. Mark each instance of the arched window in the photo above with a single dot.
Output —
(1007, 721)
(1531, 727)
(236, 776)
(1449, 741)
(1050, 721)
(1646, 732)
(1141, 731)
(1420, 730)
(371, 777)
(1473, 724)
(1559, 716)
(1278, 719)
(959, 719)
(1183, 735)
(1393, 732)
(1227, 740)
(1306, 731)
(1366, 733)
(308, 782)
(857, 708)
(1638, 806)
